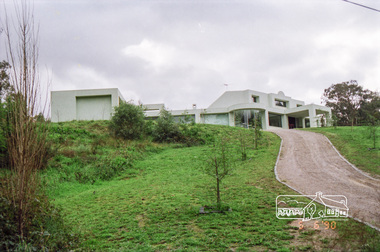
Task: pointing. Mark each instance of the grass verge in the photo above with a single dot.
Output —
(355, 144)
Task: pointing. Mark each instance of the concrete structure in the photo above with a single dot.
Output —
(233, 108)
(89, 104)
(238, 108)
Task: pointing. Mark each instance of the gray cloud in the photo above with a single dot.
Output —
(183, 52)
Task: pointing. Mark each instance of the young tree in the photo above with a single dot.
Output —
(26, 139)
(345, 100)
(370, 115)
(243, 145)
(257, 128)
(219, 164)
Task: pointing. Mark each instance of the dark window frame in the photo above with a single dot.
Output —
(255, 99)
(280, 103)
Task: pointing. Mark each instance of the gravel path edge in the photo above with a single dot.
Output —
(294, 189)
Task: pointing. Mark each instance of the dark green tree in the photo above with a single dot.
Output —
(369, 112)
(128, 121)
(5, 99)
(345, 99)
(166, 129)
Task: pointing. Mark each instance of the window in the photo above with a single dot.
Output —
(307, 123)
(255, 99)
(281, 103)
(218, 119)
(275, 120)
(299, 105)
(245, 118)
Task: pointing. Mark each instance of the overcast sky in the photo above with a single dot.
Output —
(184, 52)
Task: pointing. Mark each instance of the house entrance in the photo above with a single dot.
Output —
(292, 122)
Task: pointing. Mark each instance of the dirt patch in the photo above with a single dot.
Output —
(310, 164)
(314, 236)
(141, 220)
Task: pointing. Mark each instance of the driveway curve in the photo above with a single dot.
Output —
(309, 164)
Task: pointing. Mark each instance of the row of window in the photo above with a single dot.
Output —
(279, 103)
(243, 118)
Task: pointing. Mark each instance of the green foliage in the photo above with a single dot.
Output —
(257, 128)
(373, 128)
(187, 132)
(370, 111)
(47, 230)
(346, 100)
(128, 121)
(149, 127)
(60, 132)
(86, 153)
(244, 144)
(158, 208)
(5, 87)
(3, 139)
(84, 169)
(39, 118)
(154, 205)
(5, 91)
(166, 129)
(220, 163)
(192, 134)
(109, 168)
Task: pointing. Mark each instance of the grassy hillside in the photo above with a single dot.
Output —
(356, 145)
(139, 195)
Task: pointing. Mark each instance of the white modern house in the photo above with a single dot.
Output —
(88, 104)
(238, 108)
(233, 108)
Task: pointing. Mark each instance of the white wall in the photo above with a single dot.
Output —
(89, 104)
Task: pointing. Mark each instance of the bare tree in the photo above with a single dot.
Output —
(220, 164)
(26, 139)
(257, 128)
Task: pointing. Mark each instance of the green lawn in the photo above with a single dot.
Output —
(355, 145)
(154, 203)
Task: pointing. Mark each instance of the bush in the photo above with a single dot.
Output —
(109, 168)
(191, 134)
(128, 121)
(166, 129)
(46, 229)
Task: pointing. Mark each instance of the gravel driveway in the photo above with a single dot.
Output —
(309, 164)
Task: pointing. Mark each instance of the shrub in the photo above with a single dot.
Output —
(107, 169)
(166, 129)
(128, 121)
(191, 134)
(149, 127)
(46, 230)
